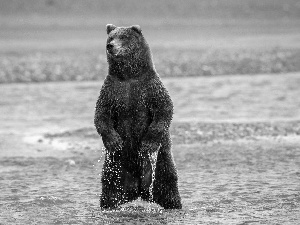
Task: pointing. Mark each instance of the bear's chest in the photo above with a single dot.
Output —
(128, 97)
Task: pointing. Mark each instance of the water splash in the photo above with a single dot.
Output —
(153, 160)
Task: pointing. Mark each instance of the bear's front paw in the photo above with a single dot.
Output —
(150, 147)
(114, 143)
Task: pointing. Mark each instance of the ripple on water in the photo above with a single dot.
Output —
(217, 186)
(49, 201)
(139, 212)
(57, 144)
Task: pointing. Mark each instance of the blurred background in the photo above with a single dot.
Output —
(232, 70)
(49, 40)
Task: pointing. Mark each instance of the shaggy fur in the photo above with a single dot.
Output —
(133, 116)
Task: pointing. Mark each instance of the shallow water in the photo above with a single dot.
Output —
(220, 183)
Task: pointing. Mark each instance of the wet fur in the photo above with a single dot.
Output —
(133, 116)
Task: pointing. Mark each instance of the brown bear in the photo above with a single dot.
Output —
(133, 115)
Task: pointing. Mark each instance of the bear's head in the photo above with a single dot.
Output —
(127, 49)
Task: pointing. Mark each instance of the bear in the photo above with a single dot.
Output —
(133, 115)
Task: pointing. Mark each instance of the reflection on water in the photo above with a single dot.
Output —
(219, 184)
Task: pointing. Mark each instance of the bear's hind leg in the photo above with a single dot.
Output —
(165, 187)
(118, 185)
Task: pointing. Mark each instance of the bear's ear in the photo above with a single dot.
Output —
(110, 27)
(136, 28)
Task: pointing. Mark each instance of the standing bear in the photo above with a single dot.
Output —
(133, 115)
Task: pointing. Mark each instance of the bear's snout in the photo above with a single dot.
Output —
(114, 47)
(110, 48)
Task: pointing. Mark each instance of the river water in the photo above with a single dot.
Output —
(242, 182)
